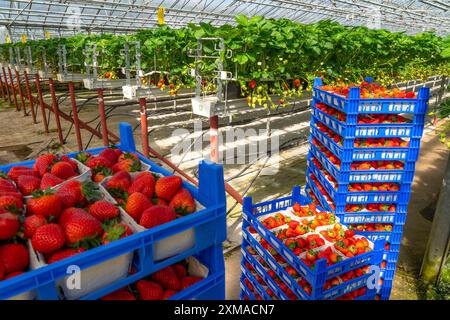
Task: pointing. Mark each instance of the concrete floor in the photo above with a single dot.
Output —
(19, 137)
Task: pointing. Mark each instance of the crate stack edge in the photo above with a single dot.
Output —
(347, 153)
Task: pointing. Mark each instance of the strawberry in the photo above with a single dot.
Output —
(77, 193)
(167, 187)
(103, 210)
(129, 165)
(2, 272)
(180, 270)
(114, 232)
(119, 183)
(67, 214)
(189, 281)
(160, 202)
(82, 230)
(183, 203)
(63, 170)
(14, 257)
(167, 278)
(13, 274)
(64, 254)
(144, 184)
(109, 154)
(48, 238)
(136, 204)
(101, 175)
(128, 155)
(156, 215)
(9, 224)
(44, 163)
(7, 185)
(49, 180)
(121, 294)
(11, 203)
(149, 290)
(83, 157)
(14, 175)
(45, 203)
(74, 165)
(28, 184)
(98, 162)
(168, 293)
(31, 224)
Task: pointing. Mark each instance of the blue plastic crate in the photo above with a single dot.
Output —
(247, 274)
(394, 130)
(316, 293)
(321, 272)
(263, 274)
(209, 226)
(354, 104)
(245, 292)
(351, 153)
(364, 176)
(385, 291)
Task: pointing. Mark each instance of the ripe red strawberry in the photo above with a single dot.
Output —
(129, 165)
(48, 238)
(45, 203)
(168, 293)
(63, 170)
(144, 185)
(14, 257)
(44, 163)
(189, 281)
(74, 165)
(115, 232)
(167, 278)
(9, 224)
(167, 187)
(6, 185)
(109, 154)
(183, 203)
(13, 274)
(64, 254)
(180, 270)
(121, 294)
(103, 210)
(156, 215)
(98, 163)
(77, 193)
(149, 290)
(119, 182)
(136, 204)
(49, 180)
(14, 194)
(82, 229)
(160, 202)
(28, 184)
(2, 272)
(15, 174)
(31, 224)
(11, 203)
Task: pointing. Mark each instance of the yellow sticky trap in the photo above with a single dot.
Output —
(24, 39)
(47, 35)
(8, 39)
(161, 12)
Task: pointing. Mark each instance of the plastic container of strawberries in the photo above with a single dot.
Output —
(321, 272)
(209, 226)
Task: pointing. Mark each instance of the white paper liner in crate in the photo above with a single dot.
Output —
(85, 175)
(167, 247)
(97, 276)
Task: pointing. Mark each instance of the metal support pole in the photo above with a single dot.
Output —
(41, 102)
(30, 99)
(144, 126)
(438, 242)
(56, 110)
(101, 109)
(22, 99)
(3, 90)
(16, 104)
(75, 116)
(8, 92)
(214, 138)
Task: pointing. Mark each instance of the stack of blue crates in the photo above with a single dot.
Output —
(208, 226)
(265, 274)
(347, 153)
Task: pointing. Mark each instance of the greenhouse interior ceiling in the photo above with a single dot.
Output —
(36, 18)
